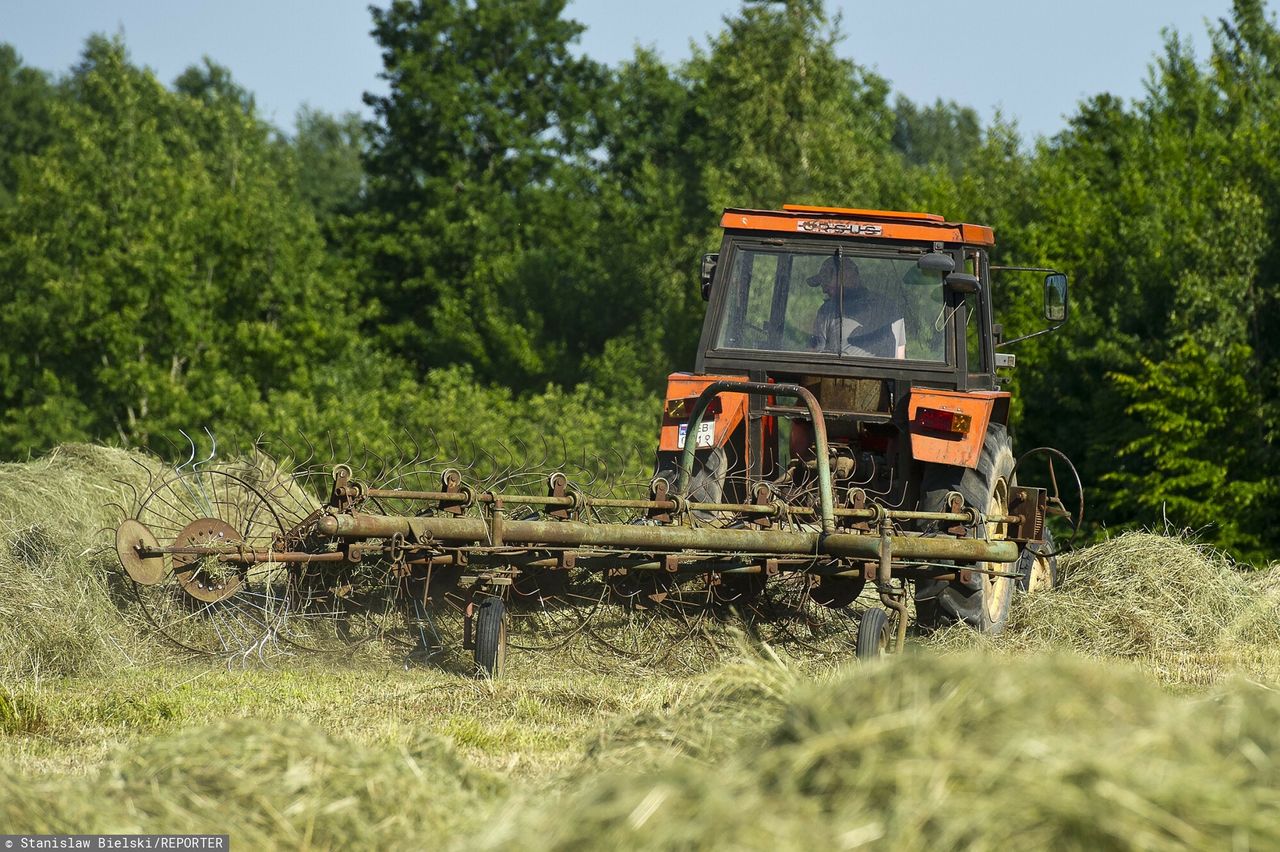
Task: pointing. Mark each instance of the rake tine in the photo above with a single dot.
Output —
(382, 465)
(126, 484)
(417, 448)
(192, 458)
(311, 450)
(213, 449)
(173, 448)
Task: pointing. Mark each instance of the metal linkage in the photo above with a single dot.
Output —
(470, 531)
(764, 510)
(714, 389)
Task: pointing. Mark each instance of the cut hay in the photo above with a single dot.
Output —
(59, 611)
(268, 784)
(950, 751)
(1180, 607)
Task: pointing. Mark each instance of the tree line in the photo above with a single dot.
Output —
(507, 249)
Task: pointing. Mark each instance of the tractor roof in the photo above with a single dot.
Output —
(849, 222)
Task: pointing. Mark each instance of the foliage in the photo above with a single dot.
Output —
(329, 150)
(943, 133)
(476, 239)
(517, 220)
(159, 275)
(25, 96)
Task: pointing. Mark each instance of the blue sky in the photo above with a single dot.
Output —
(1032, 60)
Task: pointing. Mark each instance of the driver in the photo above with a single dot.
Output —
(855, 320)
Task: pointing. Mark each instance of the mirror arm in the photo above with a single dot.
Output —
(1048, 330)
(1025, 269)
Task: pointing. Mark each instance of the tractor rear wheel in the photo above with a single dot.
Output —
(983, 601)
(707, 483)
(1038, 572)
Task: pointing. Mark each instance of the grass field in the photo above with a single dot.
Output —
(1134, 708)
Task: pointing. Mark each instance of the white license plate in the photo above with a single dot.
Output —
(706, 436)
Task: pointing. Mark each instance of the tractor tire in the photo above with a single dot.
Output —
(707, 484)
(1038, 573)
(983, 602)
(491, 637)
(874, 639)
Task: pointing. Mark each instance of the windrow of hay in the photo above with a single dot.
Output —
(948, 751)
(745, 693)
(270, 784)
(58, 608)
(1181, 607)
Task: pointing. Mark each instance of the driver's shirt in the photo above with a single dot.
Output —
(871, 327)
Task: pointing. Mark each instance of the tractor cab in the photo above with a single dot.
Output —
(886, 317)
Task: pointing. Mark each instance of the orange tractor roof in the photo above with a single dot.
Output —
(854, 223)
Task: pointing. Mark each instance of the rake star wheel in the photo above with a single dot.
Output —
(200, 599)
(653, 613)
(548, 608)
(795, 611)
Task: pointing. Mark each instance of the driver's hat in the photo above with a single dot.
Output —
(827, 273)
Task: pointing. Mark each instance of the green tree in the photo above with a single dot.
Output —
(783, 117)
(944, 133)
(1164, 211)
(328, 150)
(480, 191)
(160, 272)
(1201, 459)
(25, 96)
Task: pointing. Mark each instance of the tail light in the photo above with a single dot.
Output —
(940, 420)
(678, 410)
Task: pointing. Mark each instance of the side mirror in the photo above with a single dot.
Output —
(709, 263)
(1055, 297)
(936, 261)
(962, 282)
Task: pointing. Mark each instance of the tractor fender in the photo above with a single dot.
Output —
(958, 442)
(724, 415)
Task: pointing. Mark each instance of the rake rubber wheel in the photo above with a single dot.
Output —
(874, 638)
(491, 637)
(982, 602)
(199, 602)
(1037, 572)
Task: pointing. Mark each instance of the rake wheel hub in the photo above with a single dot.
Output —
(205, 578)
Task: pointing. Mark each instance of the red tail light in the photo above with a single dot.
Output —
(938, 420)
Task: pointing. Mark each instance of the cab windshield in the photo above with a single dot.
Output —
(835, 303)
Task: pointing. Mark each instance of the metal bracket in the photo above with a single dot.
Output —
(557, 486)
(660, 491)
(955, 505)
(451, 483)
(858, 501)
(1030, 504)
(762, 495)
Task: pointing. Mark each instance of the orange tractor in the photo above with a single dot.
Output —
(884, 321)
(840, 455)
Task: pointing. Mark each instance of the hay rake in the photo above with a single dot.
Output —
(438, 553)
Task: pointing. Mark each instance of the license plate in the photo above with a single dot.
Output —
(706, 436)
